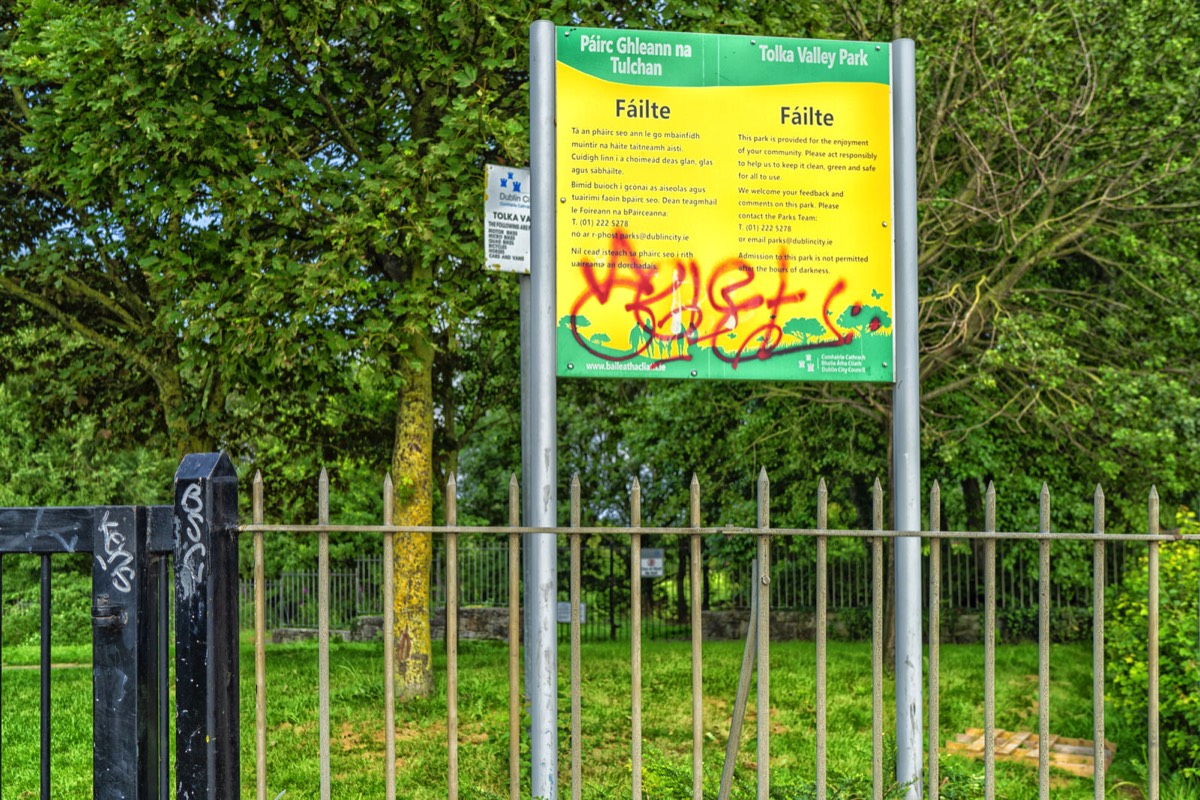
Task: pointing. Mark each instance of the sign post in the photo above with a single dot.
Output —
(906, 428)
(541, 461)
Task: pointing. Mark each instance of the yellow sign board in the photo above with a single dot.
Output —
(724, 207)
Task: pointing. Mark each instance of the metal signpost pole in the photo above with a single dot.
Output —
(526, 470)
(906, 423)
(541, 592)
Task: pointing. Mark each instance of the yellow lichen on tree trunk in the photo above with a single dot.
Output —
(412, 471)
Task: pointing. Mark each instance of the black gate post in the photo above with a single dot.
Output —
(207, 740)
(124, 675)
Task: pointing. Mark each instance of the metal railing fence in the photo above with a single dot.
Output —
(292, 596)
(765, 539)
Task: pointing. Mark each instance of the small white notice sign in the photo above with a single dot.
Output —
(652, 563)
(506, 219)
(564, 613)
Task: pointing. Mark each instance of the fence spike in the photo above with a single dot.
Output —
(324, 735)
(514, 501)
(694, 501)
(389, 639)
(257, 496)
(935, 507)
(989, 507)
(1153, 509)
(451, 499)
(635, 503)
(1152, 651)
(764, 499)
(323, 497)
(1044, 509)
(935, 633)
(575, 501)
(1099, 571)
(260, 641)
(877, 505)
(822, 505)
(389, 498)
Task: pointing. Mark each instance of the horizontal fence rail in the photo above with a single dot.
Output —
(816, 576)
(291, 597)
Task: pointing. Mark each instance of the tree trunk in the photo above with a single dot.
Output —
(412, 475)
(183, 435)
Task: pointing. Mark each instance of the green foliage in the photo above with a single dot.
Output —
(1179, 654)
(1067, 624)
(857, 622)
(77, 461)
(70, 600)
(247, 216)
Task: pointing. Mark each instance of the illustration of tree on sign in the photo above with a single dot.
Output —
(580, 322)
(864, 319)
(599, 338)
(804, 328)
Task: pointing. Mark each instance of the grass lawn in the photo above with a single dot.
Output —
(358, 741)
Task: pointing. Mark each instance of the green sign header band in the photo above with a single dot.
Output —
(660, 58)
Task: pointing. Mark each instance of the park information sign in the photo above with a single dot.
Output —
(724, 207)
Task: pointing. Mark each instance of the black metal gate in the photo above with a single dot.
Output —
(136, 550)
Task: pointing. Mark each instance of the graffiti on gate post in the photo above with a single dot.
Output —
(117, 560)
(207, 737)
(191, 566)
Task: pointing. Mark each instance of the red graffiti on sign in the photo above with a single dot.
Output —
(668, 317)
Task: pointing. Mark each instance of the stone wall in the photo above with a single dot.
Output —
(842, 626)
(473, 623)
(290, 635)
(491, 624)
